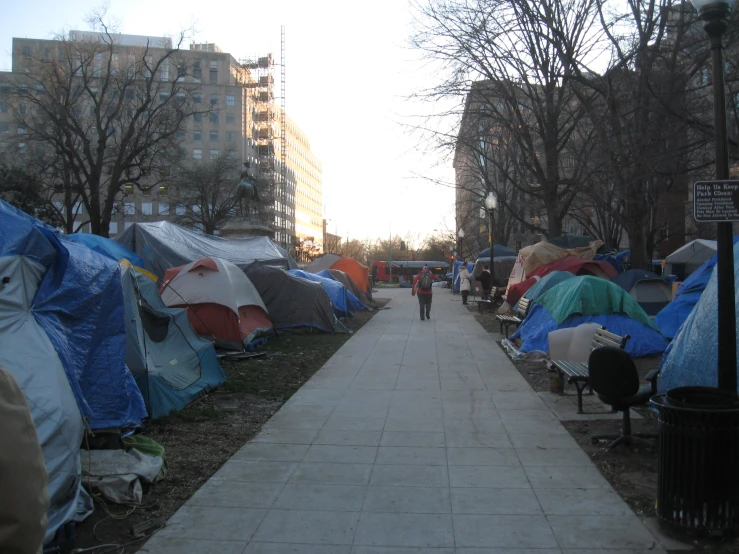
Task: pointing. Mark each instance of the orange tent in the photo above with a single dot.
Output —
(358, 272)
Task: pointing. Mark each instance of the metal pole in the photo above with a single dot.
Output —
(715, 25)
(492, 246)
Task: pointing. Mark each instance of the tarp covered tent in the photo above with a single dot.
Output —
(544, 252)
(650, 291)
(547, 282)
(345, 303)
(292, 302)
(172, 365)
(576, 266)
(107, 247)
(62, 336)
(689, 292)
(568, 241)
(79, 305)
(222, 302)
(357, 271)
(692, 357)
(584, 300)
(349, 283)
(499, 251)
(457, 265)
(686, 259)
(501, 268)
(163, 245)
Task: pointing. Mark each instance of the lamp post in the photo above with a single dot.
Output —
(491, 203)
(460, 234)
(715, 15)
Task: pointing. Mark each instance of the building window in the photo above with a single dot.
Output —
(214, 154)
(26, 52)
(181, 70)
(197, 98)
(21, 130)
(181, 135)
(230, 118)
(197, 135)
(4, 127)
(179, 209)
(197, 71)
(214, 136)
(163, 190)
(213, 117)
(23, 108)
(163, 96)
(230, 155)
(230, 136)
(129, 208)
(214, 71)
(22, 148)
(3, 107)
(197, 116)
(197, 154)
(163, 208)
(213, 99)
(165, 70)
(146, 208)
(230, 100)
(113, 228)
(195, 208)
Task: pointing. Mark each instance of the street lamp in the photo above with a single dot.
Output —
(715, 15)
(460, 234)
(491, 203)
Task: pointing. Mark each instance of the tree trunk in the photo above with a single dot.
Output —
(637, 244)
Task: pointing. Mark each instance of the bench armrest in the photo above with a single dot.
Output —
(651, 377)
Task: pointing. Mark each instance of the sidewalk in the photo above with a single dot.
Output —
(416, 436)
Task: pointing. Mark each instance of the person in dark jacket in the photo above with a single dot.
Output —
(424, 294)
(486, 281)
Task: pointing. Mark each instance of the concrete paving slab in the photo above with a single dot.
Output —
(415, 438)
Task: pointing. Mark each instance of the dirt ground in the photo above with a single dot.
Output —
(631, 470)
(200, 439)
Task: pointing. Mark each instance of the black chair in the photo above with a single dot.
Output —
(613, 376)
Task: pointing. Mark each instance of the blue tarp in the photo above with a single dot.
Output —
(79, 305)
(335, 290)
(457, 265)
(499, 251)
(107, 247)
(534, 331)
(547, 282)
(692, 358)
(355, 304)
(689, 292)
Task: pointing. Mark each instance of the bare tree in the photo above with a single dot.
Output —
(108, 115)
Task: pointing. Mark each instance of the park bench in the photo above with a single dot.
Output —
(516, 319)
(487, 301)
(578, 373)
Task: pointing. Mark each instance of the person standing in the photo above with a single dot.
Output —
(465, 282)
(486, 281)
(422, 286)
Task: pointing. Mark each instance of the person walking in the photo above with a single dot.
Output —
(422, 286)
(486, 281)
(465, 282)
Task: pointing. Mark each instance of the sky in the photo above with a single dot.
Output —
(349, 73)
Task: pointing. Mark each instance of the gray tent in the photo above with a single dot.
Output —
(172, 365)
(291, 301)
(28, 353)
(163, 245)
(349, 283)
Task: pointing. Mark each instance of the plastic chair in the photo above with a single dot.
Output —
(614, 377)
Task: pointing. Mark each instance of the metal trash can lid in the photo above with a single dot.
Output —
(698, 398)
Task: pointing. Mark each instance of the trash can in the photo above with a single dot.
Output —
(698, 487)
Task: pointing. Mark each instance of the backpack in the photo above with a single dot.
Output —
(425, 282)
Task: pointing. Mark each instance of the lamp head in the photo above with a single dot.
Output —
(715, 14)
(491, 201)
(460, 233)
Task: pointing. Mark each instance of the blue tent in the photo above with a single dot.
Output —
(499, 251)
(692, 357)
(589, 299)
(457, 265)
(335, 290)
(355, 304)
(107, 247)
(79, 306)
(689, 292)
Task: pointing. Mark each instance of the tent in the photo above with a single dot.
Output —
(650, 291)
(172, 365)
(345, 303)
(499, 251)
(350, 285)
(62, 336)
(292, 302)
(692, 357)
(457, 265)
(576, 266)
(584, 300)
(357, 271)
(106, 247)
(163, 245)
(568, 241)
(686, 259)
(547, 282)
(222, 302)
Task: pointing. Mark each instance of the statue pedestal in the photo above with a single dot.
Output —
(239, 227)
